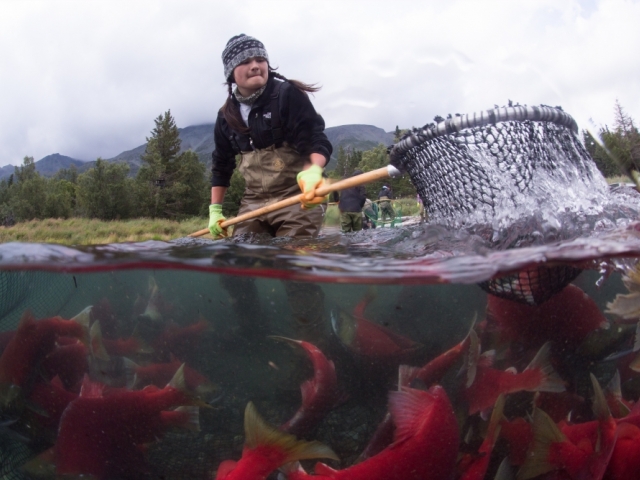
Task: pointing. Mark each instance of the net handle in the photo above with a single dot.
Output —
(480, 119)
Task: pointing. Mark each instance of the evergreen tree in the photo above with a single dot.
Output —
(103, 191)
(189, 187)
(616, 151)
(164, 145)
(378, 158)
(28, 192)
(156, 175)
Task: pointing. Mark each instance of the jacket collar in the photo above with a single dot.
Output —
(263, 99)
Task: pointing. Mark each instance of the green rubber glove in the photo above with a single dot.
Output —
(215, 219)
(309, 180)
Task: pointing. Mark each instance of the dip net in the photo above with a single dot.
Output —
(43, 293)
(496, 167)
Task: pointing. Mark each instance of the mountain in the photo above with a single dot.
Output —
(357, 137)
(199, 138)
(50, 164)
(47, 166)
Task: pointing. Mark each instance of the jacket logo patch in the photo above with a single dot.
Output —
(278, 164)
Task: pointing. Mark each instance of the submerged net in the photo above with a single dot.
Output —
(43, 293)
(497, 167)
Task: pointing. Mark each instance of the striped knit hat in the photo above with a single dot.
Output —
(238, 49)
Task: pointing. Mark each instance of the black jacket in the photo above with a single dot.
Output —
(303, 129)
(386, 192)
(352, 199)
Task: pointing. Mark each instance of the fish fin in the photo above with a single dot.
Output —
(472, 357)
(131, 378)
(600, 407)
(178, 382)
(290, 468)
(91, 389)
(406, 375)
(84, 317)
(493, 430)
(193, 417)
(290, 341)
(545, 432)
(344, 326)
(505, 472)
(626, 306)
(324, 469)
(258, 432)
(42, 465)
(488, 358)
(57, 382)
(614, 386)
(406, 407)
(370, 295)
(551, 381)
(225, 468)
(25, 319)
(96, 344)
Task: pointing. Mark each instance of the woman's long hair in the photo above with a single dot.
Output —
(231, 112)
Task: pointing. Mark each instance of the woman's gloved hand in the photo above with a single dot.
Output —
(309, 180)
(215, 219)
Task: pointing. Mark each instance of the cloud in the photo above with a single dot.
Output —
(86, 79)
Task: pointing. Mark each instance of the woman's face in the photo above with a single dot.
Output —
(251, 75)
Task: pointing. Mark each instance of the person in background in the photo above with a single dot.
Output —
(350, 206)
(384, 203)
(369, 214)
(270, 122)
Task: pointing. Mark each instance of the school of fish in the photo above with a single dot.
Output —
(532, 392)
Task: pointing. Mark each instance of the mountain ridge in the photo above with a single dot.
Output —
(199, 138)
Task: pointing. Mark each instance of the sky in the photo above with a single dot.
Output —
(87, 78)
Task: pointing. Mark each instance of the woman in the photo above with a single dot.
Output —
(272, 124)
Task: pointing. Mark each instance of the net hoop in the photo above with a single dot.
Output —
(493, 116)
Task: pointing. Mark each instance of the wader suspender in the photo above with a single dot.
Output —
(276, 126)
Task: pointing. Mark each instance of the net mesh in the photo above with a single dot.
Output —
(532, 286)
(43, 293)
(497, 167)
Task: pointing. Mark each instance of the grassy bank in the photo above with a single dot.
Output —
(82, 231)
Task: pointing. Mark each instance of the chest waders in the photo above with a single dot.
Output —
(270, 175)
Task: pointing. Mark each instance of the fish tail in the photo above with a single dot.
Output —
(190, 417)
(550, 380)
(545, 433)
(260, 433)
(406, 375)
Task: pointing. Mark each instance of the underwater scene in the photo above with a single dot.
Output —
(409, 352)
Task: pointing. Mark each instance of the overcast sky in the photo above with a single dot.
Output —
(87, 78)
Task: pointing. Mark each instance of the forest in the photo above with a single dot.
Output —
(173, 185)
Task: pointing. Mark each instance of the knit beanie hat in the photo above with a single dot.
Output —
(240, 48)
